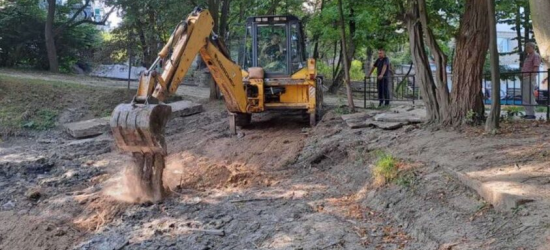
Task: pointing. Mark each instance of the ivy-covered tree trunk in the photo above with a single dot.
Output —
(472, 43)
(540, 10)
(50, 38)
(424, 76)
(440, 77)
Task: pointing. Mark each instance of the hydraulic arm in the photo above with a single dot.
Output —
(139, 127)
(278, 77)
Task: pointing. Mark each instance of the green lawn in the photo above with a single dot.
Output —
(38, 104)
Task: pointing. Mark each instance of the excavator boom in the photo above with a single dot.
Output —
(139, 126)
(289, 82)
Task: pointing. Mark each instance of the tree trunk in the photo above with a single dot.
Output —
(213, 7)
(349, 51)
(519, 36)
(346, 60)
(494, 117)
(440, 77)
(224, 18)
(541, 19)
(50, 39)
(147, 59)
(472, 43)
(421, 63)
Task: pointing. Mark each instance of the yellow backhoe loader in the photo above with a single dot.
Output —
(274, 75)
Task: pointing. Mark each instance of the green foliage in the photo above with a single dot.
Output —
(43, 120)
(474, 119)
(22, 38)
(356, 71)
(385, 168)
(22, 35)
(513, 111)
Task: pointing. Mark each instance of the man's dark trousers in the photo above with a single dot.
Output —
(383, 92)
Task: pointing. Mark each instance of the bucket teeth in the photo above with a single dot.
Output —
(139, 128)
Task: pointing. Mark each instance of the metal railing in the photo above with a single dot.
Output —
(401, 88)
(405, 88)
(520, 89)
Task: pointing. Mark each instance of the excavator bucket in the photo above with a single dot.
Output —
(139, 128)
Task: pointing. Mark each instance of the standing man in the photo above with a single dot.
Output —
(382, 66)
(530, 71)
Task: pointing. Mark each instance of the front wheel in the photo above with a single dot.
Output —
(318, 114)
(243, 120)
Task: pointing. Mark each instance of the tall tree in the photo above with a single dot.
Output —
(346, 63)
(50, 34)
(440, 59)
(50, 39)
(472, 43)
(423, 71)
(494, 117)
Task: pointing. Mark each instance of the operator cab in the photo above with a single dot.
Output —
(276, 44)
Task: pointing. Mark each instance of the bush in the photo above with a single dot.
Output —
(356, 71)
(22, 38)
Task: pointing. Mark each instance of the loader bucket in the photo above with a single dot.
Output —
(139, 128)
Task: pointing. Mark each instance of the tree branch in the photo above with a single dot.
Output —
(102, 22)
(61, 28)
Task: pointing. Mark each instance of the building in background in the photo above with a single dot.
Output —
(506, 46)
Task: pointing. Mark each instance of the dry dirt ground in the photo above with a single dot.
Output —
(279, 185)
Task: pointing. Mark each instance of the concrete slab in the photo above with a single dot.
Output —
(385, 125)
(87, 128)
(413, 116)
(499, 194)
(95, 127)
(356, 120)
(185, 108)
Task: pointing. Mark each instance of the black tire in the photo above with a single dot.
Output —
(243, 120)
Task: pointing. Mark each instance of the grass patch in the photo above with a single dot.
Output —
(513, 111)
(389, 169)
(31, 104)
(385, 168)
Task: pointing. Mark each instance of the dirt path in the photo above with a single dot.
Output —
(279, 185)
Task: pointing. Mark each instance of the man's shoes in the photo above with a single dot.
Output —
(529, 117)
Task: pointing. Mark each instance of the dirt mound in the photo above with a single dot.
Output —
(99, 210)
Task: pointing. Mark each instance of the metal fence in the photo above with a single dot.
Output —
(514, 86)
(512, 89)
(401, 88)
